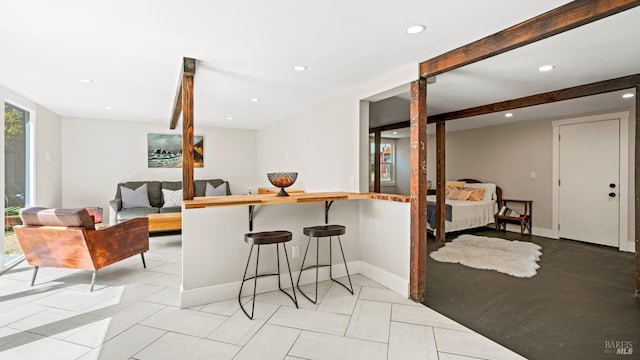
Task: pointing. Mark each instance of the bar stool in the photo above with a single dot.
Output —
(321, 232)
(266, 238)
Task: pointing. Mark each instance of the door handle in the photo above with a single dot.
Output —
(612, 194)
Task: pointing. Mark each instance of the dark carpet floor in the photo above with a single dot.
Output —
(581, 298)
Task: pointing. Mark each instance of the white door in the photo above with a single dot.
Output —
(589, 169)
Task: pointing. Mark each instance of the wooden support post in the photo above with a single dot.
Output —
(188, 191)
(637, 190)
(377, 139)
(418, 186)
(441, 179)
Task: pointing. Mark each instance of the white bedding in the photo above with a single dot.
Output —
(468, 214)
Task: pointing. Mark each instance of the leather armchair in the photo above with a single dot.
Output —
(67, 238)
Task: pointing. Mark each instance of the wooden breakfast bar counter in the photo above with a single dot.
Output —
(376, 244)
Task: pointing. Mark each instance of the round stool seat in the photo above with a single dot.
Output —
(268, 237)
(324, 230)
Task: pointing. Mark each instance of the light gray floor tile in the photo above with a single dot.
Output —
(408, 341)
(168, 296)
(123, 297)
(188, 322)
(310, 289)
(471, 344)
(361, 280)
(384, 295)
(55, 323)
(226, 308)
(422, 315)
(97, 333)
(170, 258)
(72, 300)
(447, 356)
(311, 345)
(293, 358)
(125, 345)
(239, 329)
(339, 300)
(278, 298)
(311, 320)
(177, 346)
(168, 268)
(19, 312)
(270, 343)
(29, 346)
(370, 321)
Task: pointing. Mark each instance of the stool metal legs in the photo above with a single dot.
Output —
(256, 276)
(318, 265)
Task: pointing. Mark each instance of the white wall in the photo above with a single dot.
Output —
(48, 158)
(97, 154)
(403, 166)
(325, 143)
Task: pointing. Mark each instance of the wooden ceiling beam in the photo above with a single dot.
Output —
(188, 69)
(600, 87)
(558, 20)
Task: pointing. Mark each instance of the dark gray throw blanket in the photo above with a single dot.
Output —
(431, 213)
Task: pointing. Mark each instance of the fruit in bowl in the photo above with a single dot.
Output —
(282, 180)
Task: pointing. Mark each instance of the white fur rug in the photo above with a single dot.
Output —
(515, 258)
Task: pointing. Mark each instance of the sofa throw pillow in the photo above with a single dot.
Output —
(135, 198)
(172, 198)
(455, 184)
(221, 190)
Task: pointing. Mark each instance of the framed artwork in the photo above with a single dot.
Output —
(165, 151)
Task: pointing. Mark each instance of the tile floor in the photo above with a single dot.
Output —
(132, 314)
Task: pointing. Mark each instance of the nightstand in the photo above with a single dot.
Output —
(524, 219)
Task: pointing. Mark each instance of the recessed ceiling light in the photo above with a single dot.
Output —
(255, 100)
(415, 29)
(545, 68)
(108, 108)
(299, 68)
(395, 133)
(628, 95)
(86, 81)
(229, 118)
(508, 115)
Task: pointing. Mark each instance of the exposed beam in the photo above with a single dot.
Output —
(418, 188)
(637, 196)
(575, 92)
(188, 69)
(394, 126)
(441, 179)
(558, 20)
(376, 161)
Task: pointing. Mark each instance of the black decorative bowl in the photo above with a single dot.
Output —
(282, 180)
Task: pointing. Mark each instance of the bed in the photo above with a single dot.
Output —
(462, 214)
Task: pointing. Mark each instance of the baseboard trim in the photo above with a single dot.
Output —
(229, 291)
(385, 278)
(548, 233)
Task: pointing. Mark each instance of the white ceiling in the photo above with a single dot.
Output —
(133, 50)
(602, 50)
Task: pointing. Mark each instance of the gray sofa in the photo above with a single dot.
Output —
(154, 188)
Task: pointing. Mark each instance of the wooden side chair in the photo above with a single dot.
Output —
(67, 238)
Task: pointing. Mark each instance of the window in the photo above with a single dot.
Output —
(16, 175)
(387, 161)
